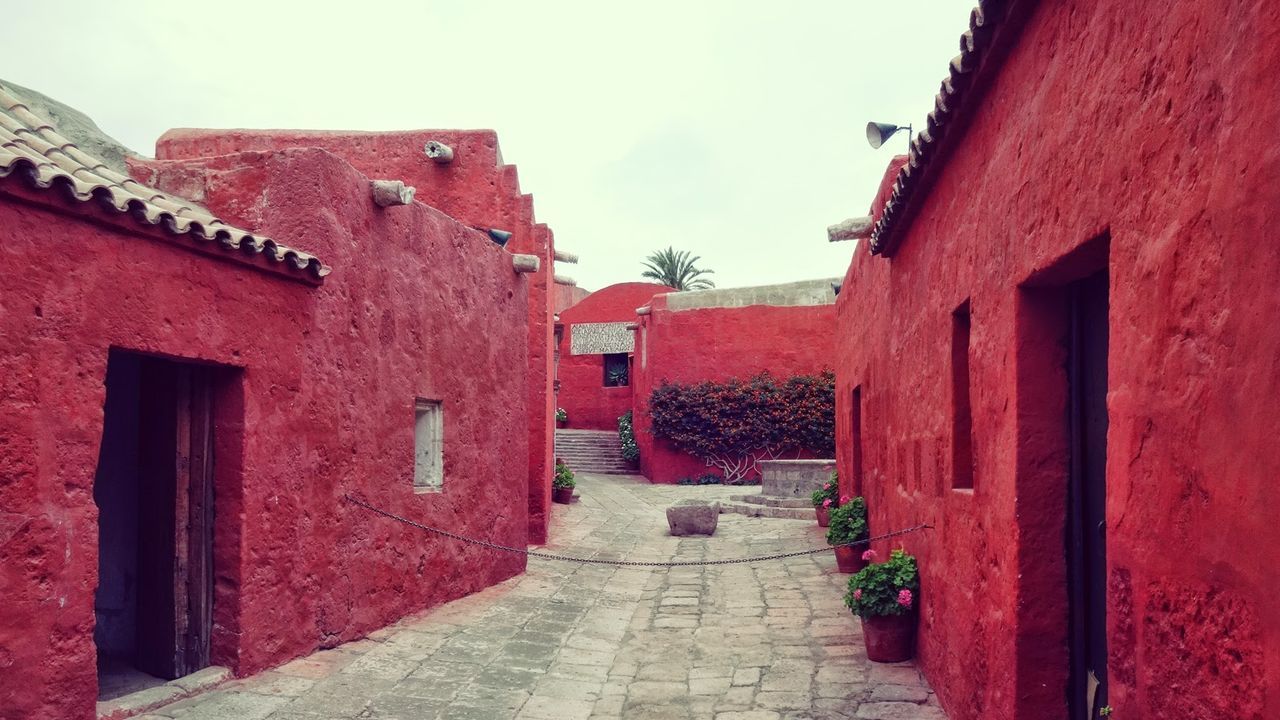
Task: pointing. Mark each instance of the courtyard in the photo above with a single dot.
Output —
(564, 641)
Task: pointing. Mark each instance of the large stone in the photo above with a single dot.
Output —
(794, 478)
(693, 517)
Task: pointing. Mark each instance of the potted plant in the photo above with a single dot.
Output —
(562, 484)
(824, 498)
(884, 595)
(562, 417)
(848, 525)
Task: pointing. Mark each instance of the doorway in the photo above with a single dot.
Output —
(154, 491)
(1087, 494)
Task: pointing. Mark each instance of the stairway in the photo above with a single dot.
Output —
(760, 505)
(592, 451)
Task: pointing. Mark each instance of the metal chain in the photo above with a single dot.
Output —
(632, 563)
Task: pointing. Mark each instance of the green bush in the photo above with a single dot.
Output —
(705, 479)
(887, 588)
(848, 522)
(562, 415)
(563, 477)
(627, 436)
(734, 424)
(828, 495)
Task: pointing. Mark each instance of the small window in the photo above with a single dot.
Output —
(961, 410)
(855, 432)
(616, 372)
(428, 446)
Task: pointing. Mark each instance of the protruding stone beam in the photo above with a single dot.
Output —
(633, 326)
(387, 193)
(565, 280)
(851, 229)
(526, 263)
(644, 310)
(438, 152)
(565, 256)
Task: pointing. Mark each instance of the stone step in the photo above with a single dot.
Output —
(774, 501)
(753, 510)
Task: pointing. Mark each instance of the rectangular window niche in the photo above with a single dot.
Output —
(961, 409)
(428, 446)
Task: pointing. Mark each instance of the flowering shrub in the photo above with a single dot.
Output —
(563, 477)
(829, 494)
(627, 435)
(848, 522)
(887, 588)
(562, 415)
(734, 424)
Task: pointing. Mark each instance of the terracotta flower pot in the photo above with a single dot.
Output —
(562, 495)
(890, 638)
(849, 558)
(824, 515)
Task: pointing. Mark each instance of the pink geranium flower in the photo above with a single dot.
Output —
(844, 499)
(869, 555)
(857, 594)
(904, 597)
(826, 503)
(827, 486)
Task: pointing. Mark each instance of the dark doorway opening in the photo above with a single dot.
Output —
(1087, 494)
(154, 491)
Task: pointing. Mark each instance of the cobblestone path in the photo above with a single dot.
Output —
(765, 641)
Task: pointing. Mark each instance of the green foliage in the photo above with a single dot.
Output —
(563, 477)
(878, 589)
(704, 479)
(627, 435)
(829, 491)
(676, 269)
(736, 423)
(562, 415)
(848, 522)
(618, 377)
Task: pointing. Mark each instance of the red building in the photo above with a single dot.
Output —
(595, 350)
(688, 337)
(1061, 352)
(186, 404)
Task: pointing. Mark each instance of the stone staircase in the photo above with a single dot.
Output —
(592, 451)
(760, 505)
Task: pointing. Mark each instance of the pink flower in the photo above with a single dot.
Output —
(844, 499)
(869, 555)
(827, 486)
(904, 597)
(857, 594)
(826, 503)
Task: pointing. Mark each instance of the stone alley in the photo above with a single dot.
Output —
(760, 641)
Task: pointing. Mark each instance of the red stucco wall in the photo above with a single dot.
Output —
(479, 190)
(590, 404)
(688, 346)
(318, 402)
(1153, 125)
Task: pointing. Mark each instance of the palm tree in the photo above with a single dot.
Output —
(675, 269)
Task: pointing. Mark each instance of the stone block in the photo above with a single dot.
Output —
(693, 517)
(794, 478)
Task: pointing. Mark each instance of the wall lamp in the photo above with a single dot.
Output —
(879, 133)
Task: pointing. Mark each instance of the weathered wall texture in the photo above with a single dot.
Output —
(566, 296)
(316, 401)
(1152, 124)
(721, 334)
(479, 190)
(591, 405)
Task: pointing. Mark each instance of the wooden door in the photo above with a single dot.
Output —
(1087, 490)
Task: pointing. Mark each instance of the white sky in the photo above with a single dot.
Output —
(731, 129)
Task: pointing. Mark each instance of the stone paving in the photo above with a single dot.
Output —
(566, 641)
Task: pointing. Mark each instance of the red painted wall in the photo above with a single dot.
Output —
(688, 346)
(317, 401)
(591, 405)
(479, 190)
(1163, 142)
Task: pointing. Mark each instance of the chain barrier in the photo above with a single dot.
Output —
(631, 563)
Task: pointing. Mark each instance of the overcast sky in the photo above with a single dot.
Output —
(731, 129)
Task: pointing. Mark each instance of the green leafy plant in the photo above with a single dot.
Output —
(562, 415)
(563, 477)
(887, 588)
(828, 496)
(676, 269)
(618, 377)
(734, 424)
(705, 479)
(627, 436)
(848, 522)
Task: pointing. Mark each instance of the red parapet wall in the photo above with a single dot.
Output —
(318, 401)
(718, 343)
(1155, 161)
